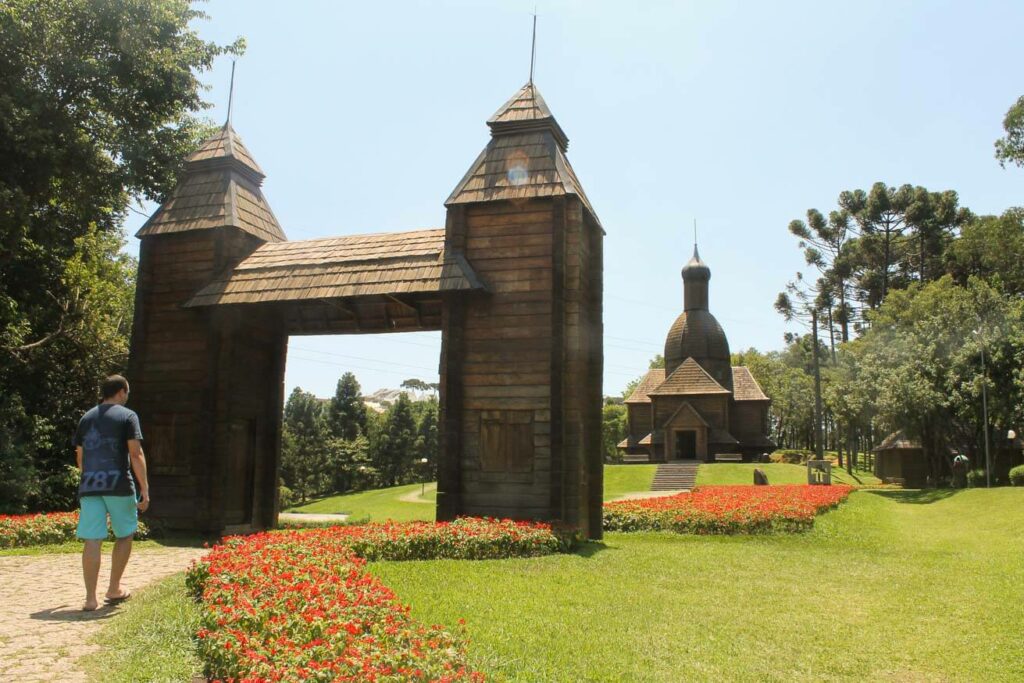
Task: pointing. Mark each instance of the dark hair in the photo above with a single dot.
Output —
(112, 385)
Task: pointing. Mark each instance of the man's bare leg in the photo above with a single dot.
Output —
(91, 572)
(118, 561)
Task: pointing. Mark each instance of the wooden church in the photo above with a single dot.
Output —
(698, 407)
(513, 280)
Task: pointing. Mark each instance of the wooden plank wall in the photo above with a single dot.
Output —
(173, 370)
(504, 368)
(521, 366)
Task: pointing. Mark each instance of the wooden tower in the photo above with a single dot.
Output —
(521, 366)
(207, 382)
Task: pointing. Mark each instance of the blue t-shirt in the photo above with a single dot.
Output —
(103, 434)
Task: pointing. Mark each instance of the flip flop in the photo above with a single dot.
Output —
(90, 609)
(119, 599)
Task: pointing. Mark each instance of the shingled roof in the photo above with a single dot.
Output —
(898, 440)
(647, 384)
(688, 379)
(745, 387)
(357, 265)
(220, 188)
(524, 159)
(223, 145)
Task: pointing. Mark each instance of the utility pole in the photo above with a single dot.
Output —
(819, 440)
(984, 417)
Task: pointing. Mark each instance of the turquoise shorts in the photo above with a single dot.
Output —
(92, 520)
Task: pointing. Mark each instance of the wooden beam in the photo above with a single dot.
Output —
(412, 307)
(351, 312)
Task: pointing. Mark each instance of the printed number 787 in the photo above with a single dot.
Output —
(100, 480)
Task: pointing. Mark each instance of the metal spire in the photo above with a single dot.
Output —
(533, 46)
(231, 92)
(695, 254)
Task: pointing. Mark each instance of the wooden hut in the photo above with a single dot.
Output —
(900, 460)
(513, 280)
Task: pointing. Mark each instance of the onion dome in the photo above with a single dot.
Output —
(696, 333)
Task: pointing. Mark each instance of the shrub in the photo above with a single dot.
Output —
(286, 498)
(726, 509)
(45, 528)
(1017, 476)
(792, 456)
(976, 478)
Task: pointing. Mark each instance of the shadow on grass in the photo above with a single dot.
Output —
(917, 496)
(589, 549)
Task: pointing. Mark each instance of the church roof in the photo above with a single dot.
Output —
(524, 159)
(647, 384)
(355, 265)
(689, 379)
(745, 387)
(219, 188)
(688, 407)
(721, 436)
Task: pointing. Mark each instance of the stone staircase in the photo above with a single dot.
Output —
(673, 476)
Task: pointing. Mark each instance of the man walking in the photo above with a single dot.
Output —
(108, 447)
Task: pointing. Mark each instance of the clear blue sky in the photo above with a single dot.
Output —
(741, 115)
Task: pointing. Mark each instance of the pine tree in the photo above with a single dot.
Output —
(304, 455)
(397, 446)
(346, 413)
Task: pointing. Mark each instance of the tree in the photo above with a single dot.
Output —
(1010, 148)
(395, 452)
(990, 247)
(304, 454)
(97, 109)
(346, 412)
(802, 302)
(428, 442)
(614, 426)
(416, 385)
(922, 363)
(825, 246)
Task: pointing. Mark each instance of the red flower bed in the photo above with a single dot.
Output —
(44, 528)
(299, 605)
(726, 509)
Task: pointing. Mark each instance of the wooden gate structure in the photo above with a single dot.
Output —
(513, 281)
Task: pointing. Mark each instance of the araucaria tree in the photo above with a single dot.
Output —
(98, 104)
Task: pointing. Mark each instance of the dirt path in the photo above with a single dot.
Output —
(649, 494)
(414, 496)
(43, 631)
(311, 517)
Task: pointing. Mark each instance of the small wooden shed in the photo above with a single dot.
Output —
(900, 459)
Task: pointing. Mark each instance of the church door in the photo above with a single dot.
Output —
(686, 445)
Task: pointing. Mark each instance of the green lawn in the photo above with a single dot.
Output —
(892, 586)
(722, 473)
(622, 479)
(151, 640)
(379, 504)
